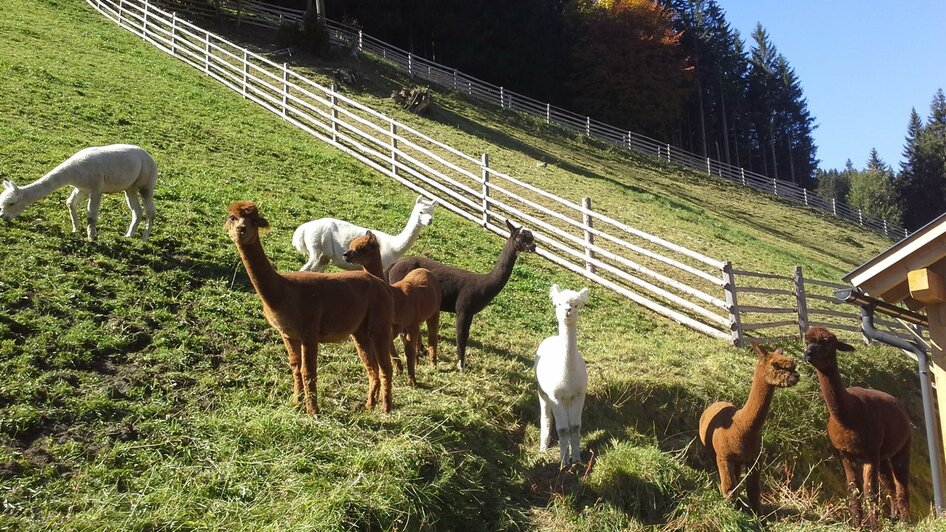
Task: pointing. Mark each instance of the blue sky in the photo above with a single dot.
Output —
(862, 65)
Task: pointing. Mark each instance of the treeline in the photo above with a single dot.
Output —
(674, 70)
(914, 195)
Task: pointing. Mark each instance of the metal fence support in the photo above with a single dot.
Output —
(801, 301)
(485, 164)
(246, 72)
(334, 101)
(589, 236)
(548, 113)
(775, 186)
(732, 304)
(502, 99)
(285, 88)
(393, 147)
(804, 193)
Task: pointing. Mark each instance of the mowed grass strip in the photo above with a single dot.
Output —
(140, 386)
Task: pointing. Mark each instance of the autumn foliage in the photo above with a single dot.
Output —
(628, 67)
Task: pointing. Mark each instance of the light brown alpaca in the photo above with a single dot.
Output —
(734, 436)
(870, 429)
(416, 300)
(307, 308)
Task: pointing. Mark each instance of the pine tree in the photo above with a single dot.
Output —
(922, 181)
(873, 190)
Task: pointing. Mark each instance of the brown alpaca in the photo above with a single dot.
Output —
(307, 308)
(870, 429)
(416, 300)
(734, 436)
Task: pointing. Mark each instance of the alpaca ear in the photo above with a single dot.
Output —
(583, 296)
(553, 291)
(10, 184)
(420, 199)
(371, 237)
(779, 351)
(758, 350)
(844, 347)
(512, 228)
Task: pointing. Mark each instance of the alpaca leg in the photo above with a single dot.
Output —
(433, 330)
(754, 488)
(131, 198)
(381, 342)
(150, 213)
(900, 465)
(886, 482)
(852, 476)
(73, 203)
(394, 356)
(310, 366)
(294, 349)
(574, 420)
(727, 476)
(564, 436)
(411, 339)
(870, 474)
(464, 321)
(545, 421)
(363, 347)
(92, 214)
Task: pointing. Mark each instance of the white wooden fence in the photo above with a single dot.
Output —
(683, 285)
(262, 14)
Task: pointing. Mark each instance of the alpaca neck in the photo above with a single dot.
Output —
(568, 333)
(268, 283)
(752, 415)
(835, 395)
(402, 241)
(44, 186)
(497, 277)
(374, 267)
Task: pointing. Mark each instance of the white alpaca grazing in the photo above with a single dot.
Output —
(326, 239)
(562, 377)
(92, 172)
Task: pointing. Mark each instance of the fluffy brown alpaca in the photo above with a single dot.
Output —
(869, 428)
(308, 308)
(416, 300)
(734, 436)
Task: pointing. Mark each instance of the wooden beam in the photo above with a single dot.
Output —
(927, 286)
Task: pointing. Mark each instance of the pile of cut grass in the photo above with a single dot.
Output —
(140, 386)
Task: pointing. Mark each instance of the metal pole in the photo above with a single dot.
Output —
(485, 189)
(589, 236)
(729, 287)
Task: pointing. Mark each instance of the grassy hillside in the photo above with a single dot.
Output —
(141, 388)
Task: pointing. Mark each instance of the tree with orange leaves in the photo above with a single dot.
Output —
(628, 67)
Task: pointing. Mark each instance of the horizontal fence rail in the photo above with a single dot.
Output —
(262, 14)
(681, 284)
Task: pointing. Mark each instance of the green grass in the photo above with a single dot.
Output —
(140, 387)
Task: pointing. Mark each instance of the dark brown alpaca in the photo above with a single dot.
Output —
(870, 429)
(307, 308)
(416, 300)
(734, 437)
(466, 293)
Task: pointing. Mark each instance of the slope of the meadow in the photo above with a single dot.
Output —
(140, 387)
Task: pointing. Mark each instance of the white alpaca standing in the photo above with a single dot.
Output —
(92, 172)
(562, 377)
(326, 239)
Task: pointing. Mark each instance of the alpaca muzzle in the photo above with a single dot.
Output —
(347, 256)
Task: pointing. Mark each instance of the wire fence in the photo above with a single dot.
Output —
(262, 14)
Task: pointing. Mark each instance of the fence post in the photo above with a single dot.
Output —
(502, 99)
(548, 113)
(668, 152)
(361, 42)
(393, 147)
(775, 186)
(885, 227)
(285, 88)
(587, 126)
(742, 174)
(207, 53)
(860, 217)
(410, 65)
(801, 301)
(121, 11)
(834, 206)
(630, 139)
(485, 164)
(173, 32)
(246, 73)
(804, 193)
(589, 236)
(729, 286)
(144, 24)
(455, 86)
(708, 172)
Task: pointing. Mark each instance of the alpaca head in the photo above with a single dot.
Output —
(821, 348)
(523, 237)
(11, 201)
(567, 303)
(779, 370)
(363, 249)
(424, 209)
(244, 223)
